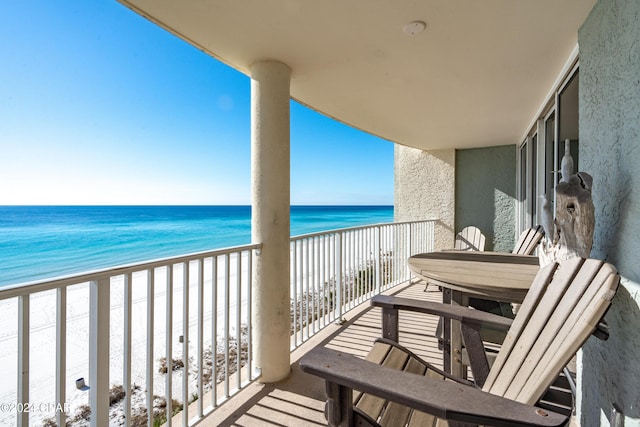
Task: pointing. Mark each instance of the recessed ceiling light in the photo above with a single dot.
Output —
(415, 27)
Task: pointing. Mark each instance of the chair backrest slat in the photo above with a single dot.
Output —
(576, 290)
(469, 239)
(575, 332)
(528, 241)
(560, 311)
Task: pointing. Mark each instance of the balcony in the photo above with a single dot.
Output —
(90, 346)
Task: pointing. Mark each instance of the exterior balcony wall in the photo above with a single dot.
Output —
(424, 188)
(610, 151)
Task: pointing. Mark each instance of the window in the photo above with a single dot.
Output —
(541, 152)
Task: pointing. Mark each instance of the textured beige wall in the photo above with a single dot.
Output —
(425, 189)
(610, 150)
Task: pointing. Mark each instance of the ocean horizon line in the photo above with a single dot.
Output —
(116, 205)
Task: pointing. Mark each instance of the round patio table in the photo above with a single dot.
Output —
(488, 275)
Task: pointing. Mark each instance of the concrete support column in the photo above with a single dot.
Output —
(270, 148)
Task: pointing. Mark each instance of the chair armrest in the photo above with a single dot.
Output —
(444, 399)
(471, 322)
(464, 314)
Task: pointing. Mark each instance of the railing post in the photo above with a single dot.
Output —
(99, 351)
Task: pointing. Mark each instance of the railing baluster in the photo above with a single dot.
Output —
(294, 287)
(200, 338)
(332, 278)
(338, 275)
(366, 263)
(366, 260)
(361, 258)
(355, 268)
(300, 302)
(150, 341)
(185, 341)
(249, 280)
(316, 291)
(308, 295)
(238, 322)
(214, 331)
(376, 261)
(23, 358)
(321, 285)
(169, 343)
(346, 247)
(126, 373)
(61, 354)
(352, 270)
(346, 284)
(226, 326)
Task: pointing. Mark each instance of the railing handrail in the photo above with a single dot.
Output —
(358, 227)
(41, 285)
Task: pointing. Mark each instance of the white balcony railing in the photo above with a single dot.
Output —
(160, 327)
(332, 272)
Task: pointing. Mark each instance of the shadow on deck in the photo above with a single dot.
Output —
(299, 400)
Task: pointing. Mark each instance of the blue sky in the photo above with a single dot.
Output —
(100, 106)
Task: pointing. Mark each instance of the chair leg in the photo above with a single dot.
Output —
(440, 333)
(390, 324)
(339, 407)
(477, 356)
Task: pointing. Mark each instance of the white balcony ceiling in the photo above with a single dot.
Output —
(476, 76)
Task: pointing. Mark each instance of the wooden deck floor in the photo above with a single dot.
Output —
(299, 400)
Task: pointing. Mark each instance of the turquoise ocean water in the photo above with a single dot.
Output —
(39, 242)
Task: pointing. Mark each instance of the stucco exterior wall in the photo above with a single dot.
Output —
(424, 188)
(486, 194)
(610, 150)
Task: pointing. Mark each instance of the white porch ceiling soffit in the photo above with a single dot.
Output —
(475, 77)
